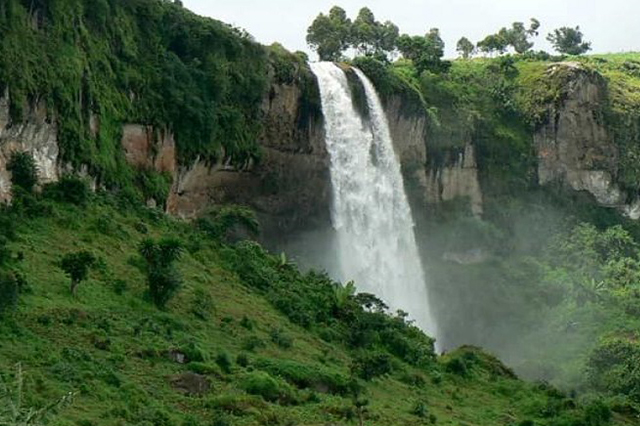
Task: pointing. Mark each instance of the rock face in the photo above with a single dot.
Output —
(37, 135)
(457, 178)
(574, 147)
(289, 188)
(148, 148)
(431, 182)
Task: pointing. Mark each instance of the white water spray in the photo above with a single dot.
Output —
(371, 215)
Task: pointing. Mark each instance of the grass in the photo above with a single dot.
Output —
(113, 348)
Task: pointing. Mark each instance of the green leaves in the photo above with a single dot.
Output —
(163, 278)
(76, 266)
(24, 172)
(569, 41)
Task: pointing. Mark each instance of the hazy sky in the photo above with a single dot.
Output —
(611, 25)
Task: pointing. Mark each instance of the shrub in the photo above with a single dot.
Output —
(420, 410)
(9, 292)
(305, 375)
(369, 365)
(230, 223)
(252, 343)
(597, 414)
(69, 189)
(202, 305)
(162, 277)
(24, 173)
(242, 360)
(269, 388)
(246, 323)
(204, 368)
(76, 266)
(281, 339)
(613, 367)
(119, 286)
(224, 362)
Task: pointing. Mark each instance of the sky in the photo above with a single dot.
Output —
(611, 25)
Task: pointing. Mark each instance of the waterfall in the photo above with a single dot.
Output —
(371, 216)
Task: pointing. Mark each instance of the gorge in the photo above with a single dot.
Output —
(311, 215)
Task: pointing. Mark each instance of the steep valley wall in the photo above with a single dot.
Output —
(290, 187)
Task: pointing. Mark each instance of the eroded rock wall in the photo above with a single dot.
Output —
(289, 188)
(430, 182)
(36, 134)
(575, 148)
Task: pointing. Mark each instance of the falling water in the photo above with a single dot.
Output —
(371, 216)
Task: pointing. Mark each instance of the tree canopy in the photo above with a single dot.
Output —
(330, 35)
(426, 51)
(371, 37)
(569, 41)
(517, 37)
(465, 48)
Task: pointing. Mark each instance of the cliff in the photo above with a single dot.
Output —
(576, 147)
(253, 135)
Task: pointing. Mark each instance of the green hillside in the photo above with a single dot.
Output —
(247, 339)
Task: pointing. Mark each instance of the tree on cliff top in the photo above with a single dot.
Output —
(371, 37)
(569, 41)
(518, 37)
(330, 35)
(425, 52)
(465, 48)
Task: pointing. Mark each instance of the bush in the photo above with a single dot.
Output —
(281, 339)
(230, 223)
(202, 305)
(269, 388)
(119, 286)
(252, 343)
(76, 266)
(24, 173)
(612, 367)
(224, 362)
(69, 189)
(9, 292)
(163, 279)
(242, 360)
(369, 365)
(305, 375)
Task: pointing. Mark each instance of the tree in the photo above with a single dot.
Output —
(76, 266)
(371, 37)
(330, 35)
(569, 41)
(425, 52)
(24, 172)
(162, 277)
(465, 48)
(493, 43)
(518, 37)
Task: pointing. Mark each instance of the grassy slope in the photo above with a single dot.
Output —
(58, 341)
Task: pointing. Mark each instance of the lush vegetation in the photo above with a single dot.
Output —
(167, 323)
(555, 289)
(246, 339)
(97, 64)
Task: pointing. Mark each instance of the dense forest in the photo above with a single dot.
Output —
(113, 312)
